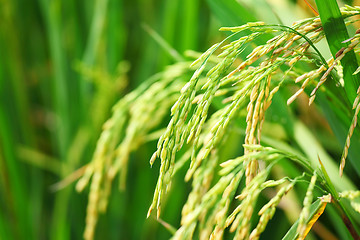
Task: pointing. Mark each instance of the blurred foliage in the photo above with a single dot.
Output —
(65, 64)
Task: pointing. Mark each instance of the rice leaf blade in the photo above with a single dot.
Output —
(336, 32)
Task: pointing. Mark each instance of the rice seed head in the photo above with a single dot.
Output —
(348, 139)
(304, 215)
(350, 194)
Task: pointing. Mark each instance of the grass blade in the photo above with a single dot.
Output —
(315, 208)
(17, 190)
(231, 13)
(336, 32)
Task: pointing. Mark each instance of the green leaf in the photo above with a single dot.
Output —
(292, 233)
(336, 32)
(230, 12)
(340, 129)
(312, 149)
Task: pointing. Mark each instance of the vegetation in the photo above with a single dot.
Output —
(255, 137)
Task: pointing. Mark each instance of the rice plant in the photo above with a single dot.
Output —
(117, 123)
(225, 200)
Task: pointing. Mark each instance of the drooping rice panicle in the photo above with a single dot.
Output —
(240, 84)
(304, 215)
(267, 211)
(353, 125)
(123, 133)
